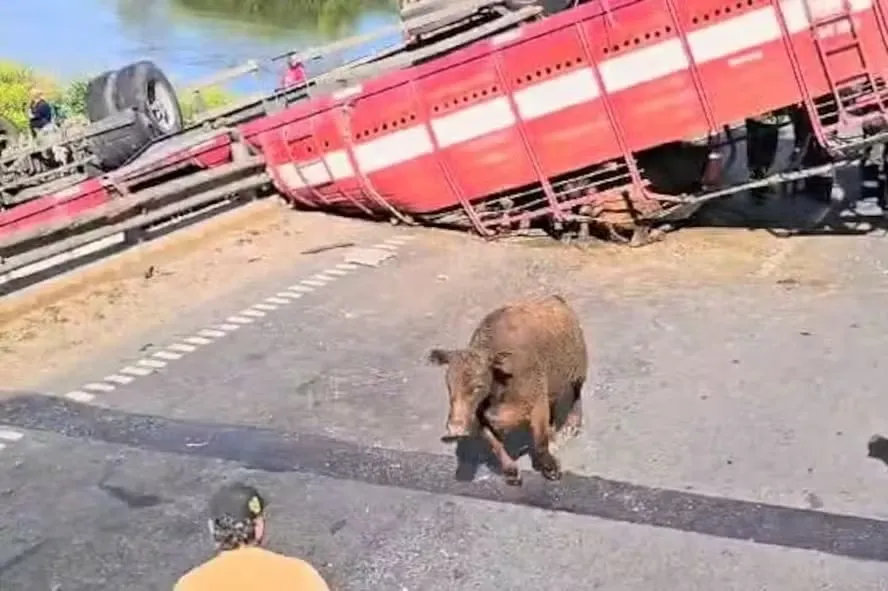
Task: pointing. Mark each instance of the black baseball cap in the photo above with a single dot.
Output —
(238, 501)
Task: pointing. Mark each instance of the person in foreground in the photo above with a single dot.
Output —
(237, 524)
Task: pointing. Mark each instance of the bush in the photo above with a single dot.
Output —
(212, 97)
(16, 82)
(72, 101)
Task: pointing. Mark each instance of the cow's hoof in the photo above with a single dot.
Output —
(548, 467)
(513, 478)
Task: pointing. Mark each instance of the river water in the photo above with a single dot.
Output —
(188, 39)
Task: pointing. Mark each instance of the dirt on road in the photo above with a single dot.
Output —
(53, 328)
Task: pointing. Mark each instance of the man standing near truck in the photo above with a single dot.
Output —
(295, 73)
(39, 112)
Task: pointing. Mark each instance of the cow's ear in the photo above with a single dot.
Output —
(440, 356)
(503, 363)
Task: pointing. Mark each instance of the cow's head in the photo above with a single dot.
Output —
(471, 377)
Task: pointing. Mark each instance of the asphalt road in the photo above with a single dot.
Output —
(727, 417)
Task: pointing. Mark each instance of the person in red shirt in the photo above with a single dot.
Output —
(295, 73)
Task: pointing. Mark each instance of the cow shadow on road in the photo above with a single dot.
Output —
(474, 452)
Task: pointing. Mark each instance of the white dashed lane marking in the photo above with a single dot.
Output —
(211, 333)
(80, 396)
(160, 359)
(8, 436)
(98, 387)
(182, 348)
(137, 371)
(253, 313)
(119, 379)
(239, 320)
(267, 307)
(157, 364)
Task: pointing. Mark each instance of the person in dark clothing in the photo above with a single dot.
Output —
(40, 112)
(762, 136)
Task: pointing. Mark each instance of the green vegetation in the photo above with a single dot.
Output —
(16, 83)
(212, 97)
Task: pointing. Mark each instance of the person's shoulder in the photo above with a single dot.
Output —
(184, 582)
(193, 578)
(299, 567)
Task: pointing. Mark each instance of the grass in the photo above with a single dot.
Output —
(16, 82)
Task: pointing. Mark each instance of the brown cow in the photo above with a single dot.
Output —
(523, 362)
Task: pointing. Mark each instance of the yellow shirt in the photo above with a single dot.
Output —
(252, 568)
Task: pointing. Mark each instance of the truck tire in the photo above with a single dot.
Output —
(114, 148)
(144, 87)
(100, 96)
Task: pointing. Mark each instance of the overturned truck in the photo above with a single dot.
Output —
(491, 115)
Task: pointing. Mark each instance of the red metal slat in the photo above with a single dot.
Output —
(318, 150)
(441, 159)
(604, 97)
(692, 67)
(816, 126)
(343, 123)
(557, 213)
(319, 197)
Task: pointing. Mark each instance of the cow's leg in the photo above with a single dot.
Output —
(542, 459)
(501, 419)
(508, 465)
(574, 419)
(573, 423)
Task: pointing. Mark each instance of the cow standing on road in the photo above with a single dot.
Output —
(523, 362)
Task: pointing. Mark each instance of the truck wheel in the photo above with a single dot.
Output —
(114, 148)
(100, 96)
(144, 87)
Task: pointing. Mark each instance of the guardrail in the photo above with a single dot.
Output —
(126, 221)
